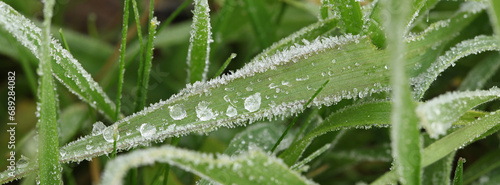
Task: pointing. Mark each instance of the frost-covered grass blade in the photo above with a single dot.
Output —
(199, 48)
(254, 167)
(438, 114)
(65, 68)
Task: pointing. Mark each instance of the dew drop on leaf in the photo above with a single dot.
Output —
(147, 130)
(109, 132)
(22, 162)
(252, 103)
(231, 111)
(97, 128)
(203, 112)
(177, 112)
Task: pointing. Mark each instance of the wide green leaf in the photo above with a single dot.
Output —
(254, 167)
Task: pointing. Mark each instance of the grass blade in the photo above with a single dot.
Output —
(458, 180)
(479, 129)
(405, 132)
(48, 141)
(64, 67)
(483, 165)
(223, 67)
(199, 47)
(143, 89)
(253, 167)
(465, 48)
(494, 12)
(261, 22)
(261, 135)
(123, 49)
(437, 114)
(309, 158)
(481, 73)
(350, 14)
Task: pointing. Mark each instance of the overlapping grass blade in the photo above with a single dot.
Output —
(64, 67)
(405, 131)
(259, 135)
(465, 48)
(458, 179)
(123, 49)
(349, 11)
(482, 166)
(440, 171)
(268, 87)
(437, 114)
(48, 141)
(481, 73)
(460, 138)
(494, 12)
(253, 167)
(199, 48)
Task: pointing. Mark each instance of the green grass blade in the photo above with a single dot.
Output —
(296, 117)
(261, 135)
(437, 114)
(253, 167)
(64, 67)
(261, 21)
(440, 171)
(143, 89)
(460, 138)
(48, 145)
(405, 132)
(494, 12)
(458, 179)
(465, 48)
(350, 14)
(483, 165)
(481, 73)
(199, 48)
(376, 26)
(123, 49)
(223, 67)
(309, 158)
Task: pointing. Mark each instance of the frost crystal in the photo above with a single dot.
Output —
(203, 112)
(252, 103)
(177, 112)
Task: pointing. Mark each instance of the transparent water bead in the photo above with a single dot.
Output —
(203, 112)
(231, 111)
(97, 128)
(147, 130)
(109, 133)
(22, 162)
(252, 103)
(177, 112)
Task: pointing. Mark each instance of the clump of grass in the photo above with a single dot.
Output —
(354, 82)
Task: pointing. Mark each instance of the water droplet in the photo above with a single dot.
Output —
(147, 130)
(249, 88)
(89, 147)
(109, 133)
(231, 111)
(22, 162)
(97, 128)
(203, 112)
(177, 112)
(252, 103)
